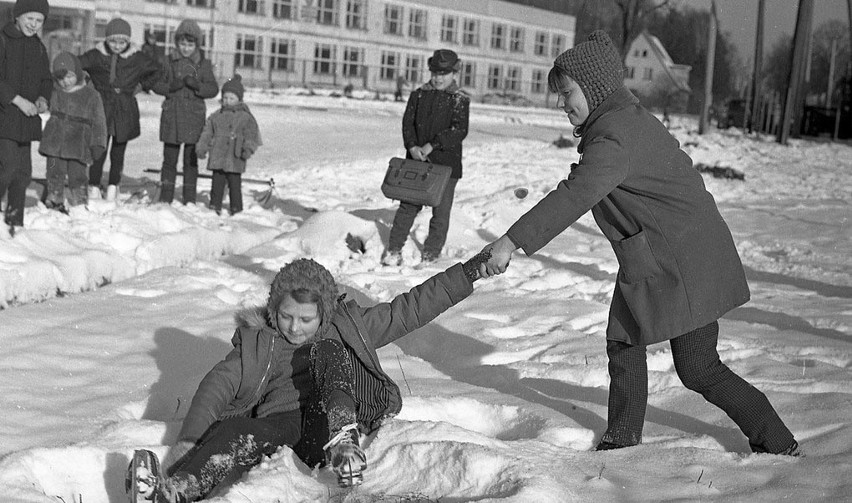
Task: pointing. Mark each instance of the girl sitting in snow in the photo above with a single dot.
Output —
(679, 270)
(74, 135)
(231, 136)
(303, 373)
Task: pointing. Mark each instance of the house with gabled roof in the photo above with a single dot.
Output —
(651, 74)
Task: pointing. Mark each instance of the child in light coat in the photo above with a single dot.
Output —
(230, 136)
(75, 134)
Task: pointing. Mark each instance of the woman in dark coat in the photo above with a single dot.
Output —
(304, 373)
(118, 70)
(679, 270)
(25, 87)
(433, 126)
(187, 81)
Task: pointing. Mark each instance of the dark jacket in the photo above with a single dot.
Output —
(184, 110)
(76, 124)
(439, 118)
(25, 72)
(234, 386)
(678, 267)
(230, 137)
(133, 70)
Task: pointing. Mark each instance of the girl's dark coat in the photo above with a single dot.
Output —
(234, 386)
(133, 69)
(678, 267)
(184, 110)
(25, 72)
(76, 124)
(440, 118)
(230, 137)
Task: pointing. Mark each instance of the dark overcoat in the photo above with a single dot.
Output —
(236, 384)
(678, 267)
(440, 118)
(184, 110)
(133, 70)
(25, 72)
(76, 124)
(230, 137)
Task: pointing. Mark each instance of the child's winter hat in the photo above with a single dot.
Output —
(303, 274)
(24, 6)
(595, 65)
(118, 28)
(234, 85)
(444, 61)
(69, 62)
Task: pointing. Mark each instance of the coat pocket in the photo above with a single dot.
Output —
(635, 258)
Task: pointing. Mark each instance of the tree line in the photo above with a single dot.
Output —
(683, 29)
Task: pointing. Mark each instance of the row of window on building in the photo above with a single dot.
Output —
(455, 29)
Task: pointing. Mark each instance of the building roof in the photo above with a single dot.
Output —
(560, 6)
(680, 78)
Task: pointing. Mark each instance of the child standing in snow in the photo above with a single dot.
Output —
(118, 69)
(230, 136)
(303, 373)
(433, 126)
(25, 87)
(74, 135)
(679, 270)
(187, 81)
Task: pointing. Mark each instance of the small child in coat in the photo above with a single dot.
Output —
(231, 136)
(75, 134)
(187, 81)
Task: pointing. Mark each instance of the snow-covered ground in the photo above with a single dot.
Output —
(114, 314)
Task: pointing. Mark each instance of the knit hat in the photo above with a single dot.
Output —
(24, 6)
(595, 65)
(69, 62)
(234, 85)
(444, 61)
(303, 274)
(118, 28)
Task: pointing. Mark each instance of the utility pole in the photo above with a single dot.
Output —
(758, 65)
(790, 112)
(708, 77)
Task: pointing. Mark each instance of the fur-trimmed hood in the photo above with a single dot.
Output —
(252, 317)
(132, 48)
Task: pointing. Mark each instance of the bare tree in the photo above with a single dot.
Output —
(634, 15)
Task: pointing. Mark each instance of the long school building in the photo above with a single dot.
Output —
(506, 48)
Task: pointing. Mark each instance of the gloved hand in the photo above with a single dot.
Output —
(471, 267)
(175, 454)
(97, 151)
(245, 154)
(191, 82)
(175, 85)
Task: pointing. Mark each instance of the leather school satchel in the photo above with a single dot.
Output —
(416, 182)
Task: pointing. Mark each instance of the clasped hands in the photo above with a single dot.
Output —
(501, 254)
(421, 153)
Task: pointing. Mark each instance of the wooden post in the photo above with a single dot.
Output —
(790, 110)
(708, 77)
(758, 63)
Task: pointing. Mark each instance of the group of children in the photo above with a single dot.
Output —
(94, 114)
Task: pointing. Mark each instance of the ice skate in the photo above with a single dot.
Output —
(344, 455)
